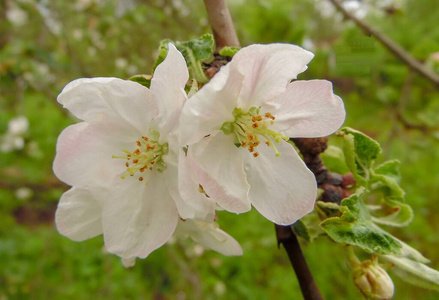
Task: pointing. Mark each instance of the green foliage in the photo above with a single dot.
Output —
(144, 80)
(355, 227)
(195, 52)
(229, 51)
(414, 272)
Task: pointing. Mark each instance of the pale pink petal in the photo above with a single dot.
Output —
(79, 212)
(124, 100)
(267, 70)
(168, 84)
(138, 218)
(282, 189)
(84, 152)
(206, 111)
(129, 262)
(307, 109)
(184, 188)
(211, 236)
(222, 164)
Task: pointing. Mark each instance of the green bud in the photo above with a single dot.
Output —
(373, 280)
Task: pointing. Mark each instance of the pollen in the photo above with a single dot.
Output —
(147, 155)
(251, 128)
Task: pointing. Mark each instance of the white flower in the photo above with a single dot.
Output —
(13, 138)
(122, 160)
(18, 125)
(209, 235)
(252, 101)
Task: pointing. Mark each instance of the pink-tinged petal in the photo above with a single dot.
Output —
(79, 212)
(124, 100)
(84, 152)
(184, 188)
(168, 84)
(307, 109)
(206, 111)
(138, 218)
(129, 262)
(221, 164)
(282, 189)
(267, 70)
(211, 236)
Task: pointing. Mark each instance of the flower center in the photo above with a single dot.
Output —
(249, 126)
(147, 156)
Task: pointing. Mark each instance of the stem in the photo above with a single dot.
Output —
(221, 23)
(288, 239)
(393, 47)
(225, 35)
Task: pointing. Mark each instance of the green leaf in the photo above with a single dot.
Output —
(414, 272)
(355, 227)
(195, 52)
(144, 80)
(411, 253)
(334, 160)
(229, 51)
(394, 213)
(300, 230)
(360, 152)
(386, 177)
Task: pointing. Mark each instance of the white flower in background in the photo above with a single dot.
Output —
(122, 160)
(16, 16)
(237, 126)
(18, 125)
(23, 193)
(120, 63)
(13, 138)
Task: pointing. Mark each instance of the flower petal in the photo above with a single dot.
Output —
(184, 188)
(124, 100)
(79, 212)
(206, 111)
(211, 236)
(138, 218)
(282, 188)
(84, 152)
(168, 84)
(308, 109)
(222, 165)
(267, 70)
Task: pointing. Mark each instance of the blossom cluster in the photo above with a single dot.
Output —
(146, 164)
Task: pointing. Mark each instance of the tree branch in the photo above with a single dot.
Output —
(393, 47)
(288, 239)
(221, 23)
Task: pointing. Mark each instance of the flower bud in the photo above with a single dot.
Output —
(373, 281)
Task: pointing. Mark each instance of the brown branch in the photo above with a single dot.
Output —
(288, 239)
(221, 23)
(393, 47)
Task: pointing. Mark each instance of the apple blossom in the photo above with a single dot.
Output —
(122, 161)
(237, 126)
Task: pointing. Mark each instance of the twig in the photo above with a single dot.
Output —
(221, 23)
(393, 47)
(288, 239)
(225, 35)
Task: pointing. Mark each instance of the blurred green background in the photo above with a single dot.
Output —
(44, 44)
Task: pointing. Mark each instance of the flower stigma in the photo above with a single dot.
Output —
(148, 155)
(249, 126)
